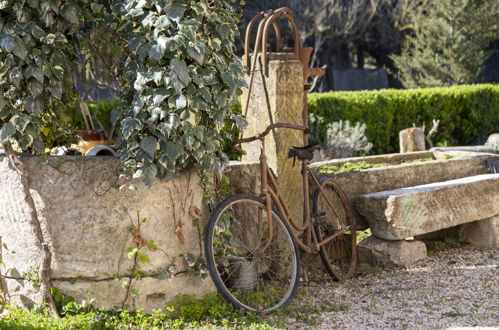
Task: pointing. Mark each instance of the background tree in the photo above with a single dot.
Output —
(449, 43)
(347, 34)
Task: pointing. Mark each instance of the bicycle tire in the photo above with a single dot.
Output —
(339, 256)
(245, 274)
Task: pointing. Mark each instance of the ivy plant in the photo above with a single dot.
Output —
(182, 62)
(36, 49)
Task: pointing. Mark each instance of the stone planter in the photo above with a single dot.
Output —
(405, 175)
(86, 223)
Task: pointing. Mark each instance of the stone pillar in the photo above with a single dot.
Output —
(285, 96)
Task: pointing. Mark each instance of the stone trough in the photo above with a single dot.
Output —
(402, 201)
(86, 223)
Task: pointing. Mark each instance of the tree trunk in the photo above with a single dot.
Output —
(34, 221)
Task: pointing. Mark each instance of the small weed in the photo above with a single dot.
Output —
(361, 235)
(32, 276)
(453, 314)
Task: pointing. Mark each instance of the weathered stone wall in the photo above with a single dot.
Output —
(86, 223)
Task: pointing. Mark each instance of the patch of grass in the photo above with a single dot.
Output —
(211, 312)
(418, 160)
(350, 167)
(363, 165)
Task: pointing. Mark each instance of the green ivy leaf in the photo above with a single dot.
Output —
(172, 150)
(195, 54)
(56, 89)
(35, 30)
(7, 131)
(160, 95)
(7, 43)
(71, 13)
(175, 11)
(35, 88)
(15, 76)
(129, 125)
(34, 71)
(163, 22)
(181, 102)
(20, 122)
(33, 105)
(179, 74)
(96, 8)
(148, 144)
(173, 269)
(58, 72)
(150, 172)
(26, 141)
(39, 146)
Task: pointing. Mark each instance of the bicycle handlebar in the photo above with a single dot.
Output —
(266, 132)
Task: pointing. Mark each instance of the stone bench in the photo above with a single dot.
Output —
(469, 206)
(403, 213)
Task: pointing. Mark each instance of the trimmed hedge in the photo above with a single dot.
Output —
(468, 113)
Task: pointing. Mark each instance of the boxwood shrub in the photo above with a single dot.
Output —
(468, 113)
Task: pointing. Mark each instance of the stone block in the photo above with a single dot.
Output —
(284, 95)
(407, 212)
(86, 223)
(378, 252)
(482, 233)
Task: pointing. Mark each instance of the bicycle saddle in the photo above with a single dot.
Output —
(303, 153)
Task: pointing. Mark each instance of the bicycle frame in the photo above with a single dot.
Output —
(271, 192)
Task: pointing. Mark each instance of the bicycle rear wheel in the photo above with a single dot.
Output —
(248, 272)
(333, 216)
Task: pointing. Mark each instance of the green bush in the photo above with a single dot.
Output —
(468, 113)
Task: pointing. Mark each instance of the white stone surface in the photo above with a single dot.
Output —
(378, 252)
(407, 212)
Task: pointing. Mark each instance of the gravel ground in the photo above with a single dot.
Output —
(453, 288)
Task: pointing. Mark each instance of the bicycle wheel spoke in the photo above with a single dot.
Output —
(247, 271)
(339, 255)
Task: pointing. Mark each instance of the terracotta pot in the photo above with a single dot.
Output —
(90, 138)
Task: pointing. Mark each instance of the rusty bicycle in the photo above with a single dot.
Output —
(251, 248)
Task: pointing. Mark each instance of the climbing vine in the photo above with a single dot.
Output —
(185, 72)
(178, 75)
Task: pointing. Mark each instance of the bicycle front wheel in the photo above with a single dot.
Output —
(254, 261)
(333, 216)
